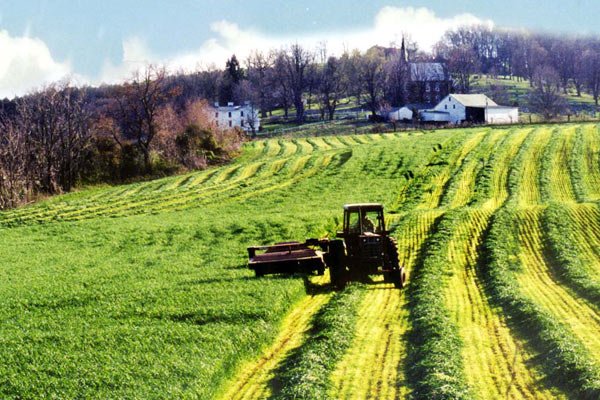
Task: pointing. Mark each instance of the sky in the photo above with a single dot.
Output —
(92, 41)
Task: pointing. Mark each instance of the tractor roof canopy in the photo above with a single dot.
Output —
(363, 206)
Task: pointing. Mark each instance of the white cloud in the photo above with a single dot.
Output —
(390, 24)
(27, 63)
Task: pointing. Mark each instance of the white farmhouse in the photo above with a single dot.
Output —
(475, 108)
(231, 116)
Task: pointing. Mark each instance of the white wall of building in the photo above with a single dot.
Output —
(435, 116)
(401, 114)
(230, 116)
(502, 115)
(457, 112)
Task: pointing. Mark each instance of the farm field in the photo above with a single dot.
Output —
(141, 291)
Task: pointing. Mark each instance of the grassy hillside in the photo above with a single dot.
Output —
(141, 291)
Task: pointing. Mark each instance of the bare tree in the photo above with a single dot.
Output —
(332, 86)
(372, 79)
(258, 65)
(396, 72)
(13, 161)
(138, 101)
(545, 98)
(463, 62)
(279, 81)
(297, 63)
(591, 62)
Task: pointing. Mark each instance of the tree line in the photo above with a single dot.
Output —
(294, 77)
(157, 123)
(62, 136)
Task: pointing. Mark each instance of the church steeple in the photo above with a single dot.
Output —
(403, 56)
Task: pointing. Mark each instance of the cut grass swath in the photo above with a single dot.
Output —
(562, 244)
(435, 368)
(566, 360)
(305, 373)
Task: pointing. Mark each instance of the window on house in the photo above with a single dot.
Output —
(446, 106)
(216, 115)
(454, 106)
(229, 114)
(230, 122)
(241, 113)
(242, 122)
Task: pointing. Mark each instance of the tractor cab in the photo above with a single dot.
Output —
(363, 219)
(366, 238)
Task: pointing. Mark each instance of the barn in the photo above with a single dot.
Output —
(473, 108)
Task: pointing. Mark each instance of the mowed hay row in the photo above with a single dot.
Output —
(462, 185)
(302, 146)
(225, 182)
(528, 193)
(592, 162)
(412, 234)
(586, 221)
(272, 148)
(494, 179)
(555, 179)
(538, 282)
(497, 364)
(373, 367)
(253, 378)
(288, 148)
(434, 191)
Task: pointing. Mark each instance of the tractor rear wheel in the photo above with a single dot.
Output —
(337, 269)
(397, 275)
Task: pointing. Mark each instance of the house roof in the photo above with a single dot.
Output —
(474, 100)
(428, 72)
(231, 107)
(418, 106)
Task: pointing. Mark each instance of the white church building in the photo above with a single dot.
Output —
(474, 108)
(231, 116)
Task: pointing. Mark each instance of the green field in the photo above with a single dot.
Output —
(141, 291)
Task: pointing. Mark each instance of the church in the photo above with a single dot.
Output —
(428, 82)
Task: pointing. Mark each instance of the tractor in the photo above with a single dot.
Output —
(364, 247)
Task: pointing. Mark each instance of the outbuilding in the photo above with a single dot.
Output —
(474, 108)
(406, 113)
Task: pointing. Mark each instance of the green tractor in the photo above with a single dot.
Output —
(363, 248)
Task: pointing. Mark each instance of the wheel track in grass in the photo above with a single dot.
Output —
(497, 364)
(251, 381)
(373, 366)
(537, 281)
